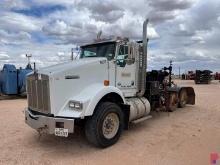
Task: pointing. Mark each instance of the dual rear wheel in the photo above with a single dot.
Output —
(177, 100)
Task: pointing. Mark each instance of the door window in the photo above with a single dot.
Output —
(122, 55)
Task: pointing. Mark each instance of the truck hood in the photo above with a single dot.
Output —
(68, 80)
(61, 68)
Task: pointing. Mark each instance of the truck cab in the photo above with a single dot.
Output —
(104, 90)
(106, 73)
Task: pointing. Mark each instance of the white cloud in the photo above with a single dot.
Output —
(23, 56)
(178, 29)
(4, 56)
(16, 22)
(8, 4)
(17, 38)
(198, 39)
(182, 27)
(55, 2)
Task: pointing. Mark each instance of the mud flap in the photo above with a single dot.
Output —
(190, 95)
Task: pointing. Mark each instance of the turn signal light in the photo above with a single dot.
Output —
(106, 82)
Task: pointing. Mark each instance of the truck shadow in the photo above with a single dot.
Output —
(75, 145)
(157, 117)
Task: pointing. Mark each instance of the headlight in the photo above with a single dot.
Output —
(75, 105)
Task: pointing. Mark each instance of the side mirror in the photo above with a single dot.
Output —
(110, 56)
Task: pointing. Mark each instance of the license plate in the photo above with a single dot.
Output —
(61, 132)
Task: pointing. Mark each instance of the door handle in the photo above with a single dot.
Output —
(114, 61)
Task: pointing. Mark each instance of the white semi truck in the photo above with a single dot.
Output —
(104, 91)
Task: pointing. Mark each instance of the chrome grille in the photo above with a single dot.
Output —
(38, 93)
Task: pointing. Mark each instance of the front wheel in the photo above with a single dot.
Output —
(104, 128)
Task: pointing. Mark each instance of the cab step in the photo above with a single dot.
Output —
(141, 119)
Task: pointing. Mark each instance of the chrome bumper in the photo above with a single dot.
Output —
(48, 124)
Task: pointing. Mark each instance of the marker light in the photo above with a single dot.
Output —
(106, 82)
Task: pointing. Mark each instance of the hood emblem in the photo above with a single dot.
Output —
(72, 77)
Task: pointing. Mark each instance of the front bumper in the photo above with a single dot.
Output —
(48, 124)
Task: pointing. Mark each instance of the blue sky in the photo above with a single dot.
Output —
(185, 31)
(39, 11)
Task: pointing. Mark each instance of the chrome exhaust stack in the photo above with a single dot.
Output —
(143, 61)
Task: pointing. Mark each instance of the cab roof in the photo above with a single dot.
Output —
(105, 41)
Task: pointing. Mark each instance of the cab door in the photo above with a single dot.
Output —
(125, 72)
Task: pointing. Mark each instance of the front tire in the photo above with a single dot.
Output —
(104, 128)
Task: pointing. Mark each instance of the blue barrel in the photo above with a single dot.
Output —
(0, 82)
(9, 80)
(22, 74)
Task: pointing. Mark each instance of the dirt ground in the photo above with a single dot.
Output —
(184, 137)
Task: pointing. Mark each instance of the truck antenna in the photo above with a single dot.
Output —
(72, 49)
(28, 56)
(78, 52)
(99, 35)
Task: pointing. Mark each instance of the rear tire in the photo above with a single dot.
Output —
(183, 98)
(104, 128)
(173, 103)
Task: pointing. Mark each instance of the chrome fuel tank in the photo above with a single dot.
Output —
(139, 107)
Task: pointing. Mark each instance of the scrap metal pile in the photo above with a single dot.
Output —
(217, 76)
(203, 77)
(189, 76)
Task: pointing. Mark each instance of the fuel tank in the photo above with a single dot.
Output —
(139, 107)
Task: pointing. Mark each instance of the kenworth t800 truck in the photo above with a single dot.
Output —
(104, 91)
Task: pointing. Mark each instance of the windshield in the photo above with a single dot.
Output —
(98, 50)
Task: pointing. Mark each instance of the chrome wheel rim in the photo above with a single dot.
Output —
(110, 125)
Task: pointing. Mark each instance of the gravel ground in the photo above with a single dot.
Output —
(184, 137)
